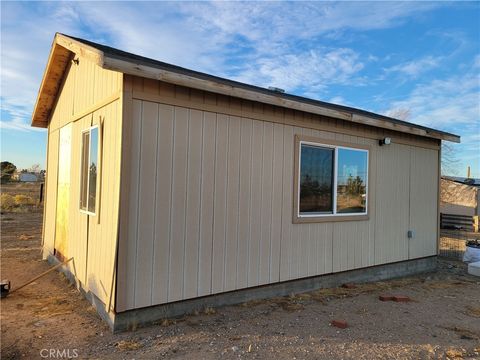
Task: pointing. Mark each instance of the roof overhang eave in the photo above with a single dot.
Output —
(62, 51)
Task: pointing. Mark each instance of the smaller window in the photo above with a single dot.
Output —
(352, 167)
(89, 170)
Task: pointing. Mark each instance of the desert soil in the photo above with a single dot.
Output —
(442, 321)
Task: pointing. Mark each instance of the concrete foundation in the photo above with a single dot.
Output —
(108, 317)
(144, 316)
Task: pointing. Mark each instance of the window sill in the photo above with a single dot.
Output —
(326, 219)
(86, 212)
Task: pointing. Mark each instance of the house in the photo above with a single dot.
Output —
(172, 189)
(25, 177)
(459, 203)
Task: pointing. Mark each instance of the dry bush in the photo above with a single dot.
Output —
(473, 311)
(209, 311)
(23, 200)
(7, 202)
(128, 345)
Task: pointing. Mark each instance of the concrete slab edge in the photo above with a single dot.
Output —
(91, 297)
(149, 315)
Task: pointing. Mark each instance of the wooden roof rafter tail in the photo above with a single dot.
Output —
(63, 50)
(127, 63)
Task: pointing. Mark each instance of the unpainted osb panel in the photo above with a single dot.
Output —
(50, 193)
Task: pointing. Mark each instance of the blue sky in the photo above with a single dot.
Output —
(419, 58)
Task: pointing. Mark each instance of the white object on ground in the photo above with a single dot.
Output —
(471, 254)
(474, 268)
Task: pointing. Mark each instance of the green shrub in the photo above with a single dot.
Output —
(23, 200)
(7, 202)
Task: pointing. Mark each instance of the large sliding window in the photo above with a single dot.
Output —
(332, 181)
(89, 170)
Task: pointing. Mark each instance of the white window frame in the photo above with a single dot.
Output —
(89, 130)
(334, 213)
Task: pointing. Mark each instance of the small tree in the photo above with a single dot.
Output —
(355, 185)
(449, 160)
(7, 169)
(35, 168)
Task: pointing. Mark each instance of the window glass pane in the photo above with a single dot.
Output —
(351, 181)
(316, 179)
(92, 179)
(84, 170)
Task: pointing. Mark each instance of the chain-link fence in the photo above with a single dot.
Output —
(454, 242)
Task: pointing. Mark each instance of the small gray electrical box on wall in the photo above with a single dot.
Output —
(410, 234)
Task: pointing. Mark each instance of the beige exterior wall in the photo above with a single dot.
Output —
(459, 199)
(207, 197)
(89, 95)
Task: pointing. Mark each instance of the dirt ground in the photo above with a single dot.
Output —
(442, 321)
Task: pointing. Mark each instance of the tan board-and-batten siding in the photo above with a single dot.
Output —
(207, 196)
(88, 95)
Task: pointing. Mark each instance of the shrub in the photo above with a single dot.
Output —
(7, 202)
(23, 200)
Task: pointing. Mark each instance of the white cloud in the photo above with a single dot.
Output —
(452, 105)
(252, 41)
(311, 70)
(339, 100)
(416, 67)
(270, 21)
(25, 45)
(476, 63)
(445, 103)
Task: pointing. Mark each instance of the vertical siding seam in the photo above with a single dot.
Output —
(310, 249)
(95, 85)
(238, 203)
(409, 199)
(271, 207)
(376, 207)
(214, 197)
(200, 205)
(261, 206)
(225, 224)
(250, 205)
(137, 200)
(281, 209)
(155, 207)
(171, 201)
(75, 84)
(249, 211)
(115, 198)
(185, 232)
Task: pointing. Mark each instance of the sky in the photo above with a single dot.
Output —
(416, 58)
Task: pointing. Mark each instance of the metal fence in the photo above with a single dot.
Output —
(453, 242)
